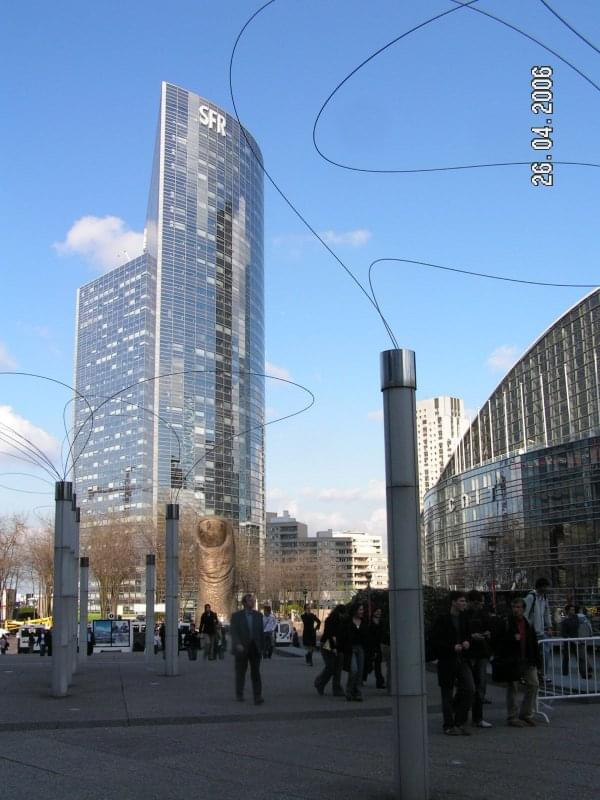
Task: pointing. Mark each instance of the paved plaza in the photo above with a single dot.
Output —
(126, 732)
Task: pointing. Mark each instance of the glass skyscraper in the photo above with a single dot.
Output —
(170, 346)
(520, 497)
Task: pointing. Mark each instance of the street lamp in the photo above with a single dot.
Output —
(492, 544)
(369, 577)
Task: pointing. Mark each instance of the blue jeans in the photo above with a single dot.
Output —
(355, 673)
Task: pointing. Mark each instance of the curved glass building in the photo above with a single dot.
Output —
(176, 336)
(520, 497)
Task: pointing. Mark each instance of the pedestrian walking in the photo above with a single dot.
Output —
(192, 642)
(332, 652)
(269, 625)
(157, 642)
(208, 626)
(354, 641)
(311, 624)
(518, 660)
(91, 640)
(31, 641)
(374, 656)
(569, 629)
(41, 640)
(247, 644)
(4, 644)
(480, 650)
(451, 642)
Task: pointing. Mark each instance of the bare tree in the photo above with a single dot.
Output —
(114, 557)
(12, 529)
(39, 555)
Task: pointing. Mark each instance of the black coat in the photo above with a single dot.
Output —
(311, 625)
(444, 637)
(331, 631)
(208, 623)
(350, 636)
(479, 622)
(508, 651)
(242, 635)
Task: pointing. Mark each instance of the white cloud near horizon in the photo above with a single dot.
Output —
(502, 358)
(105, 242)
(353, 238)
(12, 423)
(277, 372)
(6, 360)
(376, 415)
(375, 490)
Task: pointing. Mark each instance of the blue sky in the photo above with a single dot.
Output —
(80, 88)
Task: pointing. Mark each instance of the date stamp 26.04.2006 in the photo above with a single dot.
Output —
(542, 102)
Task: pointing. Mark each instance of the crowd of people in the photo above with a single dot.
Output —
(466, 638)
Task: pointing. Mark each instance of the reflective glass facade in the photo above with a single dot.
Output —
(194, 332)
(525, 478)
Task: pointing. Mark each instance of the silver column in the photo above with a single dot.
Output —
(74, 586)
(410, 757)
(172, 589)
(150, 596)
(84, 583)
(63, 493)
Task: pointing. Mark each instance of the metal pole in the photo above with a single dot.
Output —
(398, 384)
(84, 582)
(60, 681)
(74, 585)
(172, 589)
(150, 594)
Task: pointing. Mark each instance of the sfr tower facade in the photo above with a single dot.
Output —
(170, 345)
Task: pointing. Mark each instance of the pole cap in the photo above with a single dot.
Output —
(398, 369)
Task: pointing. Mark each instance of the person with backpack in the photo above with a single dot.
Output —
(537, 614)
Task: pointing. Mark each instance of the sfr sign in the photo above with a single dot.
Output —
(209, 118)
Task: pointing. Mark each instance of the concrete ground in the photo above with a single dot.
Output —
(126, 732)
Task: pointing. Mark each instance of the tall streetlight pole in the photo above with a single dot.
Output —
(369, 577)
(492, 544)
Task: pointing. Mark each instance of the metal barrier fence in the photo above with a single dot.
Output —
(570, 668)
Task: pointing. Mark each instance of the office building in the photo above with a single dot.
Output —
(170, 345)
(520, 497)
(441, 422)
(330, 566)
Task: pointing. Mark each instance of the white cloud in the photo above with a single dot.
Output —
(376, 415)
(277, 372)
(293, 241)
(376, 524)
(11, 423)
(375, 490)
(355, 238)
(502, 358)
(6, 360)
(104, 241)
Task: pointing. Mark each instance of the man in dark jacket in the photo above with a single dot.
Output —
(247, 645)
(480, 629)
(310, 625)
(518, 653)
(450, 639)
(208, 626)
(191, 641)
(332, 652)
(569, 629)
